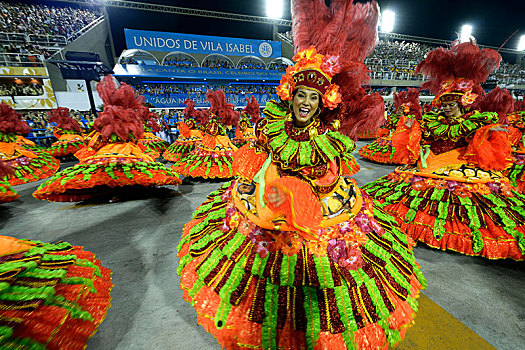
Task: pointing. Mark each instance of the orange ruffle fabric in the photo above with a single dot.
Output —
(300, 207)
(489, 149)
(497, 244)
(406, 141)
(7, 194)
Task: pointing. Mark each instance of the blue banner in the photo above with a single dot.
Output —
(196, 73)
(176, 100)
(200, 44)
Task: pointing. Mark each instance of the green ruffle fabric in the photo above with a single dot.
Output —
(40, 290)
(194, 161)
(434, 126)
(177, 151)
(321, 149)
(312, 282)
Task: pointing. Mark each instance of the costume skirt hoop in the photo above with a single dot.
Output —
(474, 218)
(52, 296)
(40, 165)
(254, 288)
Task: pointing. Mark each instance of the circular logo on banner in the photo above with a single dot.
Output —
(265, 49)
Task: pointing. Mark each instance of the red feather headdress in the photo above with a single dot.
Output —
(10, 121)
(121, 116)
(344, 33)
(222, 109)
(61, 116)
(456, 74)
(252, 109)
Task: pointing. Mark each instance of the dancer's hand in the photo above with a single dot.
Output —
(499, 128)
(274, 197)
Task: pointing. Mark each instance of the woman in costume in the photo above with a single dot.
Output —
(152, 144)
(244, 132)
(7, 194)
(68, 132)
(28, 162)
(112, 159)
(52, 296)
(189, 134)
(381, 150)
(212, 157)
(291, 254)
(456, 196)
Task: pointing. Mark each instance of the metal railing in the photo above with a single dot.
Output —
(21, 60)
(47, 40)
(12, 37)
(85, 29)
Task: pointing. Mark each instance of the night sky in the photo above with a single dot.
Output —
(493, 21)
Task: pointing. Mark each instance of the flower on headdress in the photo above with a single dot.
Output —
(468, 98)
(447, 85)
(331, 65)
(308, 56)
(285, 88)
(465, 85)
(332, 97)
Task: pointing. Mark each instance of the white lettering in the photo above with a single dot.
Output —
(135, 40)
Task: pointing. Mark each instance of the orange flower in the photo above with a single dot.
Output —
(288, 244)
(318, 248)
(285, 88)
(332, 97)
(481, 188)
(468, 98)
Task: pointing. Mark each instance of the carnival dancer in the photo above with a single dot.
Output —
(7, 194)
(212, 157)
(28, 161)
(152, 144)
(292, 254)
(244, 132)
(52, 296)
(68, 132)
(406, 104)
(189, 133)
(112, 159)
(456, 196)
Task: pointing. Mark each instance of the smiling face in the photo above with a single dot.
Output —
(451, 109)
(305, 103)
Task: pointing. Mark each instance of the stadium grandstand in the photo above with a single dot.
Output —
(53, 54)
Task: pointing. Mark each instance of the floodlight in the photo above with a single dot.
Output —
(387, 21)
(466, 33)
(521, 44)
(274, 8)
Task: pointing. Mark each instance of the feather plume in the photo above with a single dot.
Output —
(190, 108)
(499, 101)
(123, 95)
(519, 106)
(202, 116)
(11, 122)
(252, 109)
(463, 60)
(120, 121)
(224, 110)
(61, 117)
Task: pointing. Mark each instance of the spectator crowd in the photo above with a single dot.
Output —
(22, 89)
(27, 18)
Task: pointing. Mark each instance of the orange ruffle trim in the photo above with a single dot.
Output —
(74, 190)
(6, 193)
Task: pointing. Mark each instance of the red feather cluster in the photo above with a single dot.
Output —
(499, 101)
(10, 121)
(410, 99)
(5, 171)
(61, 116)
(123, 96)
(519, 106)
(462, 61)
(122, 113)
(149, 118)
(221, 108)
(201, 116)
(190, 108)
(252, 109)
